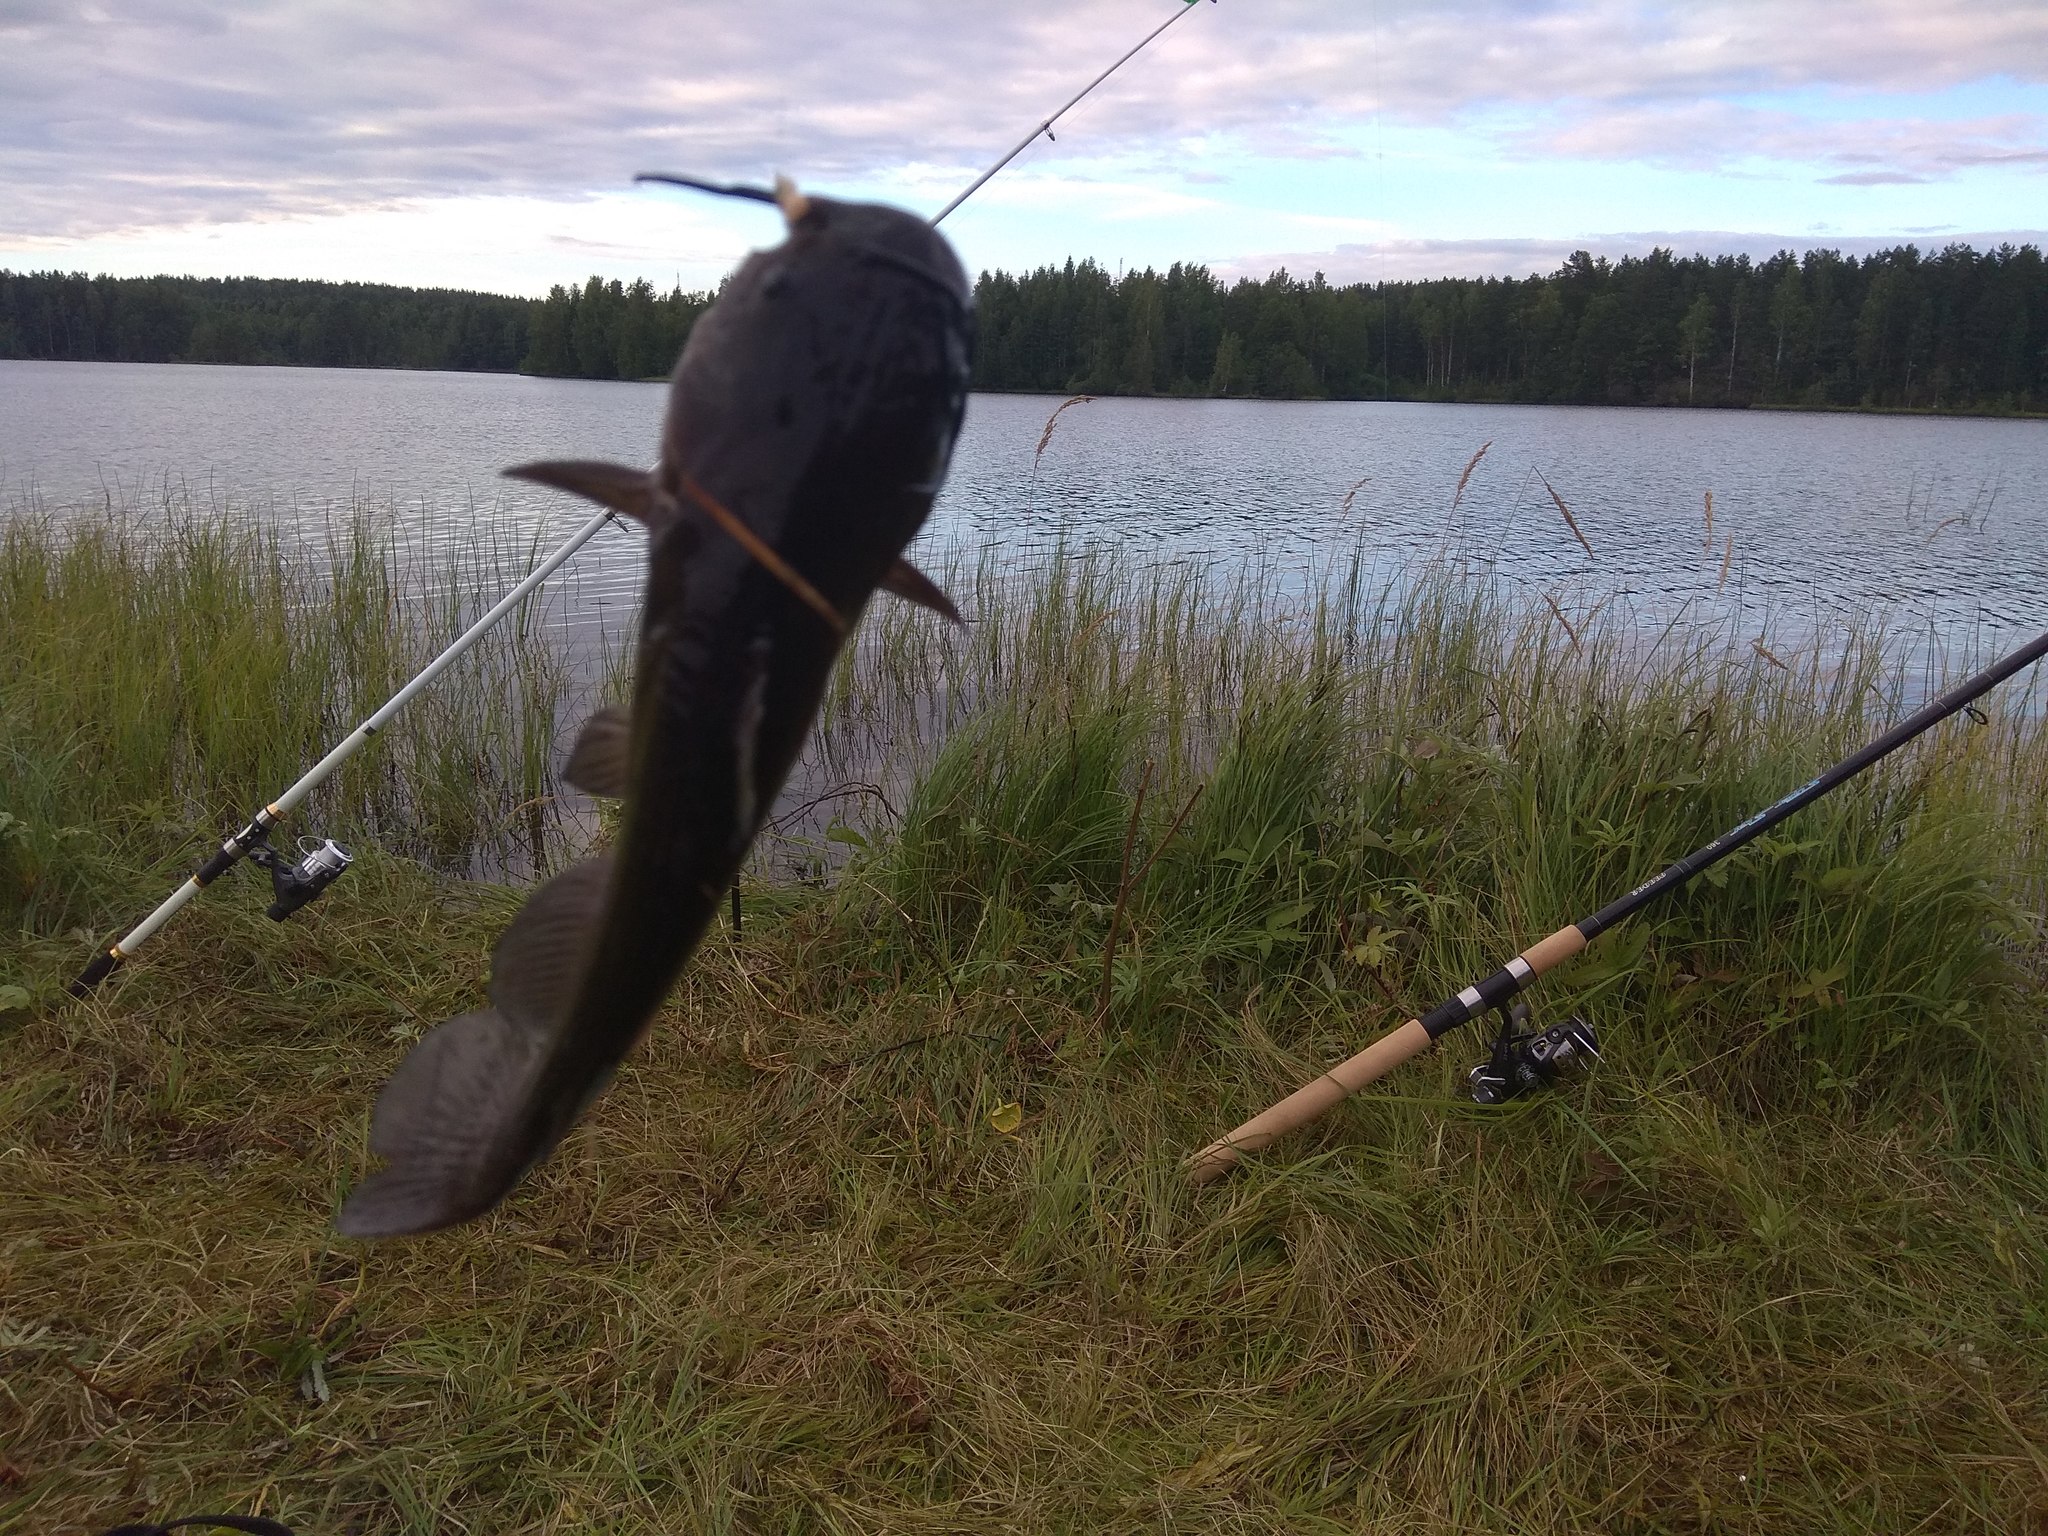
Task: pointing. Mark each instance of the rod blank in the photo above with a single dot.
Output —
(1045, 125)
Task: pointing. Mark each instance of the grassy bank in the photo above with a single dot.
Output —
(1776, 1266)
(170, 664)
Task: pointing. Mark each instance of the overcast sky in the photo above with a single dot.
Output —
(492, 145)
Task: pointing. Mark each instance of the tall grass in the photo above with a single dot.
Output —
(1369, 789)
(1777, 1265)
(1382, 795)
(170, 669)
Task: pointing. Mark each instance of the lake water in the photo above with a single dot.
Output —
(1939, 525)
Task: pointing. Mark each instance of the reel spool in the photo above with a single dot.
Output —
(1526, 1060)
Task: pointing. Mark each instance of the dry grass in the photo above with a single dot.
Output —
(1566, 512)
(1052, 421)
(789, 1279)
(1464, 477)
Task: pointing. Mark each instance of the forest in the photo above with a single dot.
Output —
(75, 318)
(1958, 329)
(603, 330)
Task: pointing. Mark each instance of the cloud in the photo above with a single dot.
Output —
(1893, 149)
(162, 113)
(1396, 260)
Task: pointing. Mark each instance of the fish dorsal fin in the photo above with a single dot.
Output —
(601, 762)
(625, 490)
(908, 582)
(794, 204)
(543, 953)
(443, 1126)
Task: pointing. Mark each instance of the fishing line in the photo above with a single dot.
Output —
(1044, 126)
(296, 883)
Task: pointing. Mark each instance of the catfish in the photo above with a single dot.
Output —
(810, 422)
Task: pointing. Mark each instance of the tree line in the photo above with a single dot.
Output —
(603, 330)
(1957, 329)
(74, 318)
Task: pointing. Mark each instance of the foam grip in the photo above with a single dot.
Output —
(102, 967)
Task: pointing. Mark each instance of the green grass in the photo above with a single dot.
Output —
(1778, 1265)
(171, 666)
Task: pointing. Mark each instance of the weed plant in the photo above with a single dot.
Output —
(883, 1228)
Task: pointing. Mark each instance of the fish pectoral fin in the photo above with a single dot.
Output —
(625, 490)
(601, 762)
(542, 954)
(908, 582)
(441, 1125)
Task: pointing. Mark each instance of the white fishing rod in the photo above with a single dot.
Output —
(295, 884)
(1045, 127)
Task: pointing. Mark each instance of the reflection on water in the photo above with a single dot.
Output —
(1939, 526)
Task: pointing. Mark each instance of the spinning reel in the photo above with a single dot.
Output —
(1525, 1060)
(293, 885)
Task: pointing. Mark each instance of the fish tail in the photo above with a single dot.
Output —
(439, 1126)
(464, 1117)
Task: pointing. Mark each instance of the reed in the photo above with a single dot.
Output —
(173, 664)
(1401, 786)
(1123, 862)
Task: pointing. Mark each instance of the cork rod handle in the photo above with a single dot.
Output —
(1383, 1055)
(1306, 1103)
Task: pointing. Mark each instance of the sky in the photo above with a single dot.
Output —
(491, 144)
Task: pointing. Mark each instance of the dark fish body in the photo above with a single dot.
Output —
(816, 404)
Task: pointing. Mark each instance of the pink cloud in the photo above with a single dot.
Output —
(1718, 135)
(161, 112)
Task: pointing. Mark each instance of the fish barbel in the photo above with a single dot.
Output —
(810, 422)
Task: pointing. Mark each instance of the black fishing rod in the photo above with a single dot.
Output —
(1522, 1061)
(297, 880)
